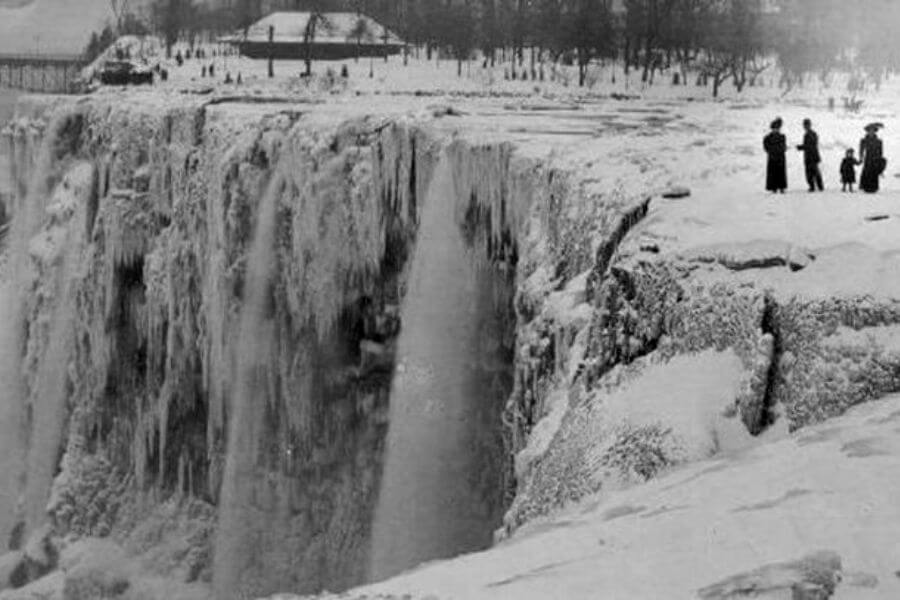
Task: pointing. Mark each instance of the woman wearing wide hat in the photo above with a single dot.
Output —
(871, 154)
(775, 145)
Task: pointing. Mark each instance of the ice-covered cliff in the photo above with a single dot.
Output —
(205, 303)
(268, 346)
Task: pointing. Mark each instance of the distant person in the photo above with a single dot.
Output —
(203, 71)
(811, 157)
(212, 70)
(871, 154)
(848, 171)
(775, 145)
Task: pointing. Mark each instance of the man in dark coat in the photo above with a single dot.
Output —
(871, 154)
(775, 145)
(811, 157)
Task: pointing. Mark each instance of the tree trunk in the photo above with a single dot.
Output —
(271, 51)
(308, 39)
(645, 76)
(582, 68)
(627, 55)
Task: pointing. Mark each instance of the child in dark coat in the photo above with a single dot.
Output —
(848, 171)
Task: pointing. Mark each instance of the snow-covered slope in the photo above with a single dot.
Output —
(751, 523)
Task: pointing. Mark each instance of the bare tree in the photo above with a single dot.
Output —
(119, 8)
(171, 18)
(360, 31)
(316, 21)
(733, 44)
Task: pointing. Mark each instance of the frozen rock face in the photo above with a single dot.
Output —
(208, 300)
(806, 339)
(133, 277)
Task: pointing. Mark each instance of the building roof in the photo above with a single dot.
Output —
(335, 28)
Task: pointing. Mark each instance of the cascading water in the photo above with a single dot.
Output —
(253, 390)
(47, 410)
(266, 299)
(440, 492)
(33, 410)
(11, 417)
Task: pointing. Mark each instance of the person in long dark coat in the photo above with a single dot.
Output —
(848, 171)
(811, 157)
(775, 145)
(871, 154)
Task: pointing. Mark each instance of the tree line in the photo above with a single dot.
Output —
(710, 42)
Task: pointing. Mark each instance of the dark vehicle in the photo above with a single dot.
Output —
(120, 72)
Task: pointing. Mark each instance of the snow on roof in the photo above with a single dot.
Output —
(335, 28)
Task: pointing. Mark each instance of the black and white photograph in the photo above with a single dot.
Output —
(449, 299)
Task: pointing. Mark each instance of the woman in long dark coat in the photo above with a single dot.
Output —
(775, 145)
(871, 154)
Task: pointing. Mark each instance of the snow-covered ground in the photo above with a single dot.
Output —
(755, 512)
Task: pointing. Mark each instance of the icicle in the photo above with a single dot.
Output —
(162, 416)
(179, 486)
(139, 448)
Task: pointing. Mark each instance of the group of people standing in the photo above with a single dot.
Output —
(871, 157)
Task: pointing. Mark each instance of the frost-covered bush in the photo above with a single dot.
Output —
(86, 496)
(639, 453)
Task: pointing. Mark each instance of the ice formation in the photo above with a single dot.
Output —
(210, 309)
